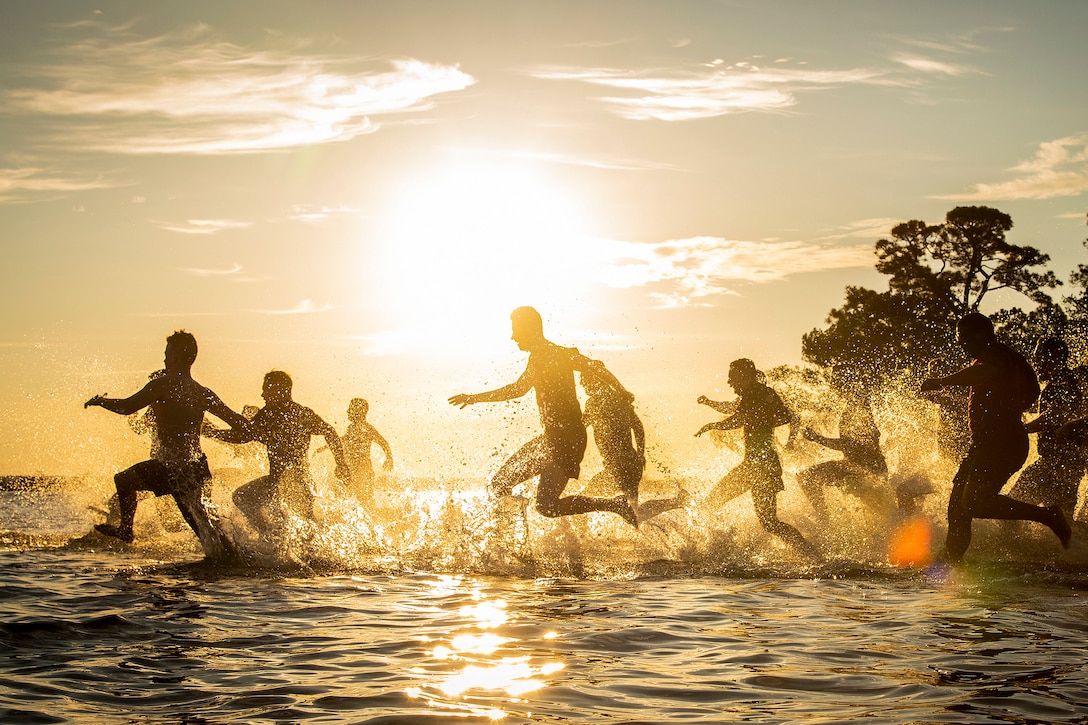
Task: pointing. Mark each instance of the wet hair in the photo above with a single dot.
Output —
(528, 317)
(186, 344)
(1053, 348)
(744, 364)
(279, 379)
(976, 323)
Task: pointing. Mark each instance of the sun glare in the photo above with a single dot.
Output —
(463, 245)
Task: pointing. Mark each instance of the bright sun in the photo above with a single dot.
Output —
(463, 245)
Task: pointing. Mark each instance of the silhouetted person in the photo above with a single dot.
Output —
(621, 441)
(358, 440)
(758, 412)
(285, 428)
(862, 468)
(179, 467)
(1054, 478)
(555, 456)
(1003, 386)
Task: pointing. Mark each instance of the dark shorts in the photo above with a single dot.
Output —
(992, 460)
(565, 448)
(163, 480)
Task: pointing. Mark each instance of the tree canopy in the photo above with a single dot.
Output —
(936, 274)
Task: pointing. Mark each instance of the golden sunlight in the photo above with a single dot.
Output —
(463, 245)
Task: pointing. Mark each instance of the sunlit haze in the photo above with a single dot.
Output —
(360, 193)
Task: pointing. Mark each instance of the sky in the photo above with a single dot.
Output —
(359, 193)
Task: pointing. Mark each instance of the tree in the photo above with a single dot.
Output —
(936, 274)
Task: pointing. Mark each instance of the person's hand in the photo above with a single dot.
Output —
(462, 400)
(809, 434)
(702, 400)
(388, 465)
(96, 400)
(930, 384)
(704, 429)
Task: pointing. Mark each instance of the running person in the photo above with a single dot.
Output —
(179, 467)
(555, 456)
(1003, 386)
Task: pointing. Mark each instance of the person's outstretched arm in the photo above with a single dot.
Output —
(732, 422)
(973, 374)
(725, 407)
(507, 392)
(215, 405)
(147, 395)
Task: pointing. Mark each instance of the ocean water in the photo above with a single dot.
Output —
(424, 611)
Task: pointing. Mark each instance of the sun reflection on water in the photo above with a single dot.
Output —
(477, 669)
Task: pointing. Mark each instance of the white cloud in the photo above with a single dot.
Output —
(202, 226)
(929, 65)
(1059, 168)
(25, 183)
(684, 271)
(189, 92)
(708, 90)
(199, 272)
(315, 213)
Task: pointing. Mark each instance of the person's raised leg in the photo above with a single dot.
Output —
(812, 484)
(250, 498)
(127, 483)
(766, 507)
(732, 484)
(550, 501)
(527, 462)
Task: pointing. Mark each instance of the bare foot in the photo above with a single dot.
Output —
(623, 508)
(1060, 526)
(116, 532)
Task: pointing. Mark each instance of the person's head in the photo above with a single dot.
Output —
(742, 374)
(975, 332)
(527, 327)
(180, 351)
(277, 387)
(357, 409)
(1051, 355)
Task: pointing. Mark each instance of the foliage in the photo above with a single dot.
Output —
(936, 274)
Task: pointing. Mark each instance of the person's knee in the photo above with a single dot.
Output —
(548, 507)
(125, 482)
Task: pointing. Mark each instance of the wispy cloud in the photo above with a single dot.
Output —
(932, 65)
(202, 226)
(718, 88)
(304, 307)
(191, 92)
(27, 183)
(1059, 168)
(707, 90)
(201, 272)
(316, 213)
(872, 229)
(686, 271)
